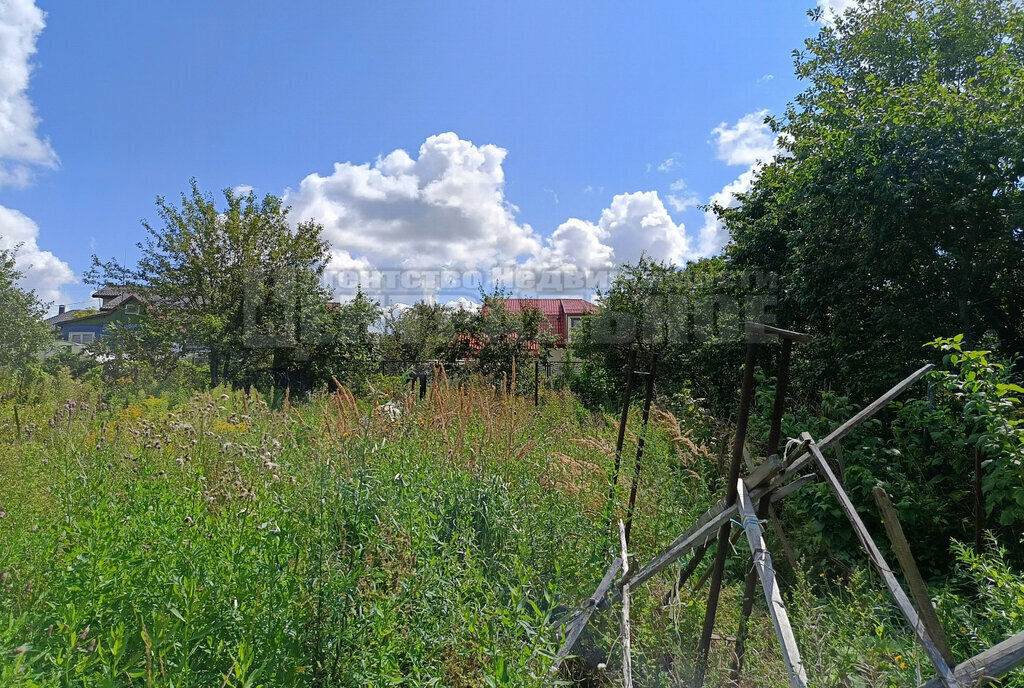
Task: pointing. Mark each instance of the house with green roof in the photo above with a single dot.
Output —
(83, 327)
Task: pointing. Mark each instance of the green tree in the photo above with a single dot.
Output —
(689, 316)
(24, 334)
(239, 282)
(895, 214)
(503, 342)
(418, 333)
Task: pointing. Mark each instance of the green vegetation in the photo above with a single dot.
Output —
(230, 494)
(23, 333)
(379, 540)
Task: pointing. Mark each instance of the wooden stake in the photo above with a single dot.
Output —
(979, 502)
(990, 665)
(580, 620)
(718, 567)
(776, 607)
(902, 601)
(627, 657)
(918, 590)
(648, 399)
(621, 438)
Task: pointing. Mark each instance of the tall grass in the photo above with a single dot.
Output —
(362, 541)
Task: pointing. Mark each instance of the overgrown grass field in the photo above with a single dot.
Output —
(382, 540)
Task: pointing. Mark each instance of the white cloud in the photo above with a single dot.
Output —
(42, 270)
(633, 224)
(463, 304)
(834, 8)
(20, 146)
(681, 197)
(713, 235)
(242, 190)
(443, 212)
(667, 164)
(746, 142)
(444, 208)
(766, 78)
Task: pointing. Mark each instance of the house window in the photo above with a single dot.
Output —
(574, 322)
(83, 337)
(132, 309)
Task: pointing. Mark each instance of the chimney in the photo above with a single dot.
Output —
(60, 309)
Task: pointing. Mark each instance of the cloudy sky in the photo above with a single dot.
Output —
(566, 137)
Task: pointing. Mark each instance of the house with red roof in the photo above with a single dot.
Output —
(563, 315)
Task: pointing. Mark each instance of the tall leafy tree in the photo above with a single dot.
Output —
(895, 213)
(239, 282)
(23, 334)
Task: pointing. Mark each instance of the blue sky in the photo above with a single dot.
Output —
(580, 133)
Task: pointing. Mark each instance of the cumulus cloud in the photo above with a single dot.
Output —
(242, 190)
(667, 164)
(409, 226)
(632, 225)
(834, 8)
(444, 208)
(748, 142)
(21, 148)
(43, 271)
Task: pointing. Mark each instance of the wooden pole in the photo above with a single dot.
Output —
(621, 438)
(536, 383)
(902, 601)
(764, 506)
(580, 621)
(989, 666)
(711, 520)
(979, 503)
(918, 590)
(718, 567)
(627, 657)
(776, 608)
(648, 400)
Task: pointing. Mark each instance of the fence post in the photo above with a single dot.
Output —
(536, 383)
(623, 419)
(648, 399)
(718, 567)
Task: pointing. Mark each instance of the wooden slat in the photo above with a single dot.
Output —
(627, 657)
(918, 590)
(792, 487)
(776, 607)
(708, 524)
(768, 330)
(697, 535)
(849, 426)
(902, 601)
(767, 470)
(990, 665)
(577, 625)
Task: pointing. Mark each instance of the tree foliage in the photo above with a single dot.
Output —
(23, 334)
(895, 213)
(243, 285)
(504, 343)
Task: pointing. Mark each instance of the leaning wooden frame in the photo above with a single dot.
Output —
(769, 482)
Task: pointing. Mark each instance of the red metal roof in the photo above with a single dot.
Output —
(555, 310)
